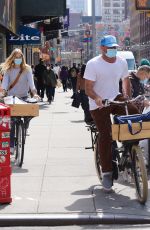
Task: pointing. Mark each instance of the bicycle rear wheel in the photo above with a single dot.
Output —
(140, 174)
(97, 161)
(20, 141)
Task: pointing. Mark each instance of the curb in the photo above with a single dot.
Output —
(70, 219)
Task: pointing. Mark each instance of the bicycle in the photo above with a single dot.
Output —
(126, 158)
(19, 128)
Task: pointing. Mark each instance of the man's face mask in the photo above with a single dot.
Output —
(111, 53)
(144, 82)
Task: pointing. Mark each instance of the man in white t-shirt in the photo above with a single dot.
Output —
(102, 75)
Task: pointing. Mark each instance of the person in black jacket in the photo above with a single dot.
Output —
(39, 77)
(73, 71)
(139, 79)
(50, 80)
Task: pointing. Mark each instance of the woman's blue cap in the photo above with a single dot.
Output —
(108, 41)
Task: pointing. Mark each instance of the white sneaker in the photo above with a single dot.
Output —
(107, 181)
(27, 132)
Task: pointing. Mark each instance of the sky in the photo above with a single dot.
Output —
(89, 7)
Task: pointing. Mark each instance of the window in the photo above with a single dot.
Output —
(106, 4)
(107, 11)
(116, 5)
(116, 11)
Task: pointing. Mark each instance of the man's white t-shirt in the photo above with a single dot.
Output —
(106, 77)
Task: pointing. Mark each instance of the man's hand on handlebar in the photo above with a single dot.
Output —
(99, 102)
(36, 97)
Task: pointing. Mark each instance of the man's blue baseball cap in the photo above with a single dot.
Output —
(108, 41)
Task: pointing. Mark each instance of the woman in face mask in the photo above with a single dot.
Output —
(17, 81)
(18, 77)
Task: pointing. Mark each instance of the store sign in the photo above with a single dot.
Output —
(27, 35)
(142, 4)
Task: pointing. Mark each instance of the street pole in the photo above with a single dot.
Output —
(81, 50)
(87, 49)
(93, 30)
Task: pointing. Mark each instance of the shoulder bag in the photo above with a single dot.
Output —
(15, 81)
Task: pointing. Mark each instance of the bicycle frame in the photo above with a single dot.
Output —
(94, 135)
(20, 125)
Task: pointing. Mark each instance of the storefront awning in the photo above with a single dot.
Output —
(36, 10)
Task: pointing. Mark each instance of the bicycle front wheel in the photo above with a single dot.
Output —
(97, 161)
(140, 174)
(20, 140)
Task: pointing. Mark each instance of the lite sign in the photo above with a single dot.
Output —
(27, 35)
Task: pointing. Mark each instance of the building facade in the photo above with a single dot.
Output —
(113, 11)
(78, 6)
(98, 7)
(7, 24)
(140, 33)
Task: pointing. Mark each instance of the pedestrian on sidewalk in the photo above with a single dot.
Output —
(83, 97)
(39, 78)
(50, 80)
(64, 77)
(139, 80)
(17, 81)
(73, 77)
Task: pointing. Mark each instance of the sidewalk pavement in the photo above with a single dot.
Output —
(58, 175)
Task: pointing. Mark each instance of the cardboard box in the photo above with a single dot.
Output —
(24, 110)
(121, 132)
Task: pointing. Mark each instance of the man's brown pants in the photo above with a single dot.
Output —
(102, 120)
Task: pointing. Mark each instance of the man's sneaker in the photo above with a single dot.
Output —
(107, 182)
(11, 151)
(27, 132)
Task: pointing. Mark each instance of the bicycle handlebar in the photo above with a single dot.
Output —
(107, 102)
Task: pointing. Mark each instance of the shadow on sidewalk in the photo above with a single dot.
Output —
(79, 121)
(43, 106)
(114, 202)
(16, 169)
